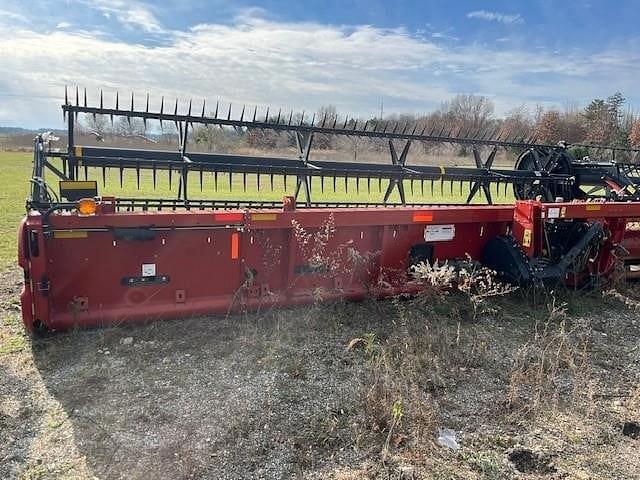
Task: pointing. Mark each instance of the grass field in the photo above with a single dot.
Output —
(15, 173)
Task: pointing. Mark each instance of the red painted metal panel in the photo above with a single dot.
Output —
(202, 262)
(81, 271)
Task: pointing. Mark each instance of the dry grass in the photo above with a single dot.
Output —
(289, 394)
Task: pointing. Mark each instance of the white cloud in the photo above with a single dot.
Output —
(63, 25)
(496, 17)
(265, 62)
(12, 16)
(128, 12)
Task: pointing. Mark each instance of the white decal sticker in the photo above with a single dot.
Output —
(554, 212)
(148, 269)
(439, 233)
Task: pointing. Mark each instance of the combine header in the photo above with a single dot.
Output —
(91, 258)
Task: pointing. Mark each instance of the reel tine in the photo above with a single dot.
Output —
(121, 168)
(411, 186)
(204, 102)
(368, 185)
(170, 178)
(290, 117)
(266, 116)
(285, 183)
(302, 118)
(242, 114)
(201, 177)
(215, 115)
(77, 97)
(153, 175)
(104, 177)
(128, 117)
(255, 112)
(161, 111)
(229, 112)
(321, 183)
(346, 184)
(146, 109)
(175, 120)
(313, 119)
(230, 181)
(358, 184)
(244, 182)
(432, 182)
(334, 184)
(138, 175)
(379, 184)
(422, 186)
(279, 113)
(271, 181)
(85, 97)
(66, 102)
(258, 181)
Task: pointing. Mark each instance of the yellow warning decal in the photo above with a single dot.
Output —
(526, 238)
(70, 234)
(593, 207)
(442, 170)
(78, 151)
(78, 184)
(264, 217)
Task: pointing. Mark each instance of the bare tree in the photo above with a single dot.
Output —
(327, 116)
(470, 112)
(133, 127)
(97, 125)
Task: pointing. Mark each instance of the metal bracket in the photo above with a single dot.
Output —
(303, 142)
(484, 183)
(397, 181)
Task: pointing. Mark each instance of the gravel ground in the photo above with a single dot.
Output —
(278, 395)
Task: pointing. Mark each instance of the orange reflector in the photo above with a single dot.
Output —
(228, 217)
(264, 217)
(422, 217)
(235, 246)
(87, 206)
(70, 234)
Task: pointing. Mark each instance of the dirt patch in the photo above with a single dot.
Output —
(631, 429)
(280, 395)
(527, 461)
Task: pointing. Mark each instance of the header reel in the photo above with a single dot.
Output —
(541, 171)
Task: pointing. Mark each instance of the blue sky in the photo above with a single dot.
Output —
(302, 55)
